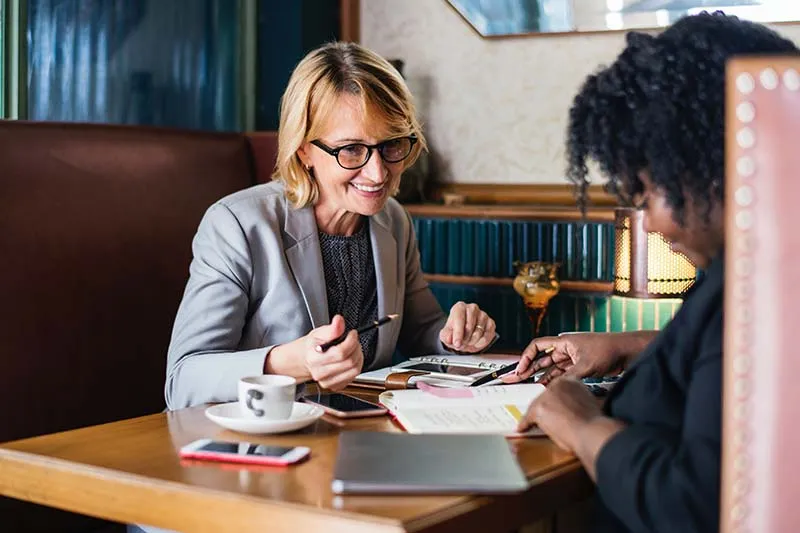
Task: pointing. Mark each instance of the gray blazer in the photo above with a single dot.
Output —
(257, 281)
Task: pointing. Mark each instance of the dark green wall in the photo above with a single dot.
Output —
(287, 31)
(585, 251)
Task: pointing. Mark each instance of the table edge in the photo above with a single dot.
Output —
(43, 466)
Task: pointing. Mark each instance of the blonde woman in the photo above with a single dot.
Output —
(281, 268)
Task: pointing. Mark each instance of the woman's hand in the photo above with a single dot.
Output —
(571, 416)
(561, 410)
(578, 354)
(333, 369)
(468, 329)
(336, 367)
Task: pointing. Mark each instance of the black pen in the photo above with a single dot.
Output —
(542, 353)
(494, 375)
(362, 329)
(507, 369)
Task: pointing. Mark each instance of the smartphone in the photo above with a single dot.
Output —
(244, 452)
(464, 373)
(344, 406)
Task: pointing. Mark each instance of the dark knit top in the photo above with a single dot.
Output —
(351, 285)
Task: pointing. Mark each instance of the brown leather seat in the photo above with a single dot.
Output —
(96, 224)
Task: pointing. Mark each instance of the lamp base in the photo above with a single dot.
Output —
(535, 315)
(536, 282)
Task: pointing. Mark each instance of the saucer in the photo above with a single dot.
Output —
(228, 415)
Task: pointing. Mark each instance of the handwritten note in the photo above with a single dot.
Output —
(500, 419)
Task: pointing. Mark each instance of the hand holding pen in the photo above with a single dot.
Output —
(503, 371)
(332, 354)
(334, 368)
(363, 329)
(579, 355)
(512, 373)
(553, 355)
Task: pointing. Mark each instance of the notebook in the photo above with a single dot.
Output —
(392, 463)
(474, 410)
(442, 370)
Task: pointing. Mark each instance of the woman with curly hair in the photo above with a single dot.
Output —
(653, 122)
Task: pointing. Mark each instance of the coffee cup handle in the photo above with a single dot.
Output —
(251, 395)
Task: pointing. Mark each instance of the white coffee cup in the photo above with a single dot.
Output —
(267, 397)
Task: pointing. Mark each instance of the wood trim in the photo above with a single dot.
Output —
(247, 65)
(510, 212)
(550, 491)
(605, 287)
(15, 61)
(350, 20)
(112, 495)
(508, 193)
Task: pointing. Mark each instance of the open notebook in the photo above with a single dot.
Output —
(476, 410)
(444, 370)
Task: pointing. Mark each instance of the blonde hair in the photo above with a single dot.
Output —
(315, 85)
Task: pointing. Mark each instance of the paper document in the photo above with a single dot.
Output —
(488, 419)
(472, 396)
(481, 410)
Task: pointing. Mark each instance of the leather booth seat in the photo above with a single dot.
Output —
(96, 224)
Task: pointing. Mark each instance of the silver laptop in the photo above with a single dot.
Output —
(400, 463)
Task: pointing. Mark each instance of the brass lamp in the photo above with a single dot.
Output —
(536, 282)
(644, 264)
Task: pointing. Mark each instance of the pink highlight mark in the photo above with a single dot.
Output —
(444, 392)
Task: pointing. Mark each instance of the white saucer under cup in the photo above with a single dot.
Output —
(229, 416)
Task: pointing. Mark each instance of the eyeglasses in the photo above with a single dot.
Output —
(356, 155)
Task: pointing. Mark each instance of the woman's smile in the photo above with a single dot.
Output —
(368, 190)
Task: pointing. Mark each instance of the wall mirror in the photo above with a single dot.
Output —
(498, 18)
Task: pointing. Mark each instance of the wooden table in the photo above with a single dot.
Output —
(130, 472)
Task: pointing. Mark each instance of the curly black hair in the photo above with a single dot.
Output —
(660, 107)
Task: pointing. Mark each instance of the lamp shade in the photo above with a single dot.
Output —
(644, 264)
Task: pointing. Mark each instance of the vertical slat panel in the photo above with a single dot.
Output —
(134, 62)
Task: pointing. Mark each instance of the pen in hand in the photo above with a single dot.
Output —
(493, 375)
(507, 369)
(363, 329)
(539, 355)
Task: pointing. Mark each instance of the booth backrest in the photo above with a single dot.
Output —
(96, 224)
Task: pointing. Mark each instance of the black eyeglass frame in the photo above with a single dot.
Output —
(370, 148)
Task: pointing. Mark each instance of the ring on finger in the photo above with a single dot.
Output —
(479, 327)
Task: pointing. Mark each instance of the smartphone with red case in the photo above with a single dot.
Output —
(244, 452)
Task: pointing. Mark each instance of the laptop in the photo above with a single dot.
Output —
(400, 463)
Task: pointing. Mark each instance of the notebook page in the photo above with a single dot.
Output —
(499, 418)
(471, 396)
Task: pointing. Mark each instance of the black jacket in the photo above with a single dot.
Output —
(662, 473)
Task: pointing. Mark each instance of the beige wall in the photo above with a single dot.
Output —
(495, 110)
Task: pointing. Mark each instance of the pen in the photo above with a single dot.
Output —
(362, 329)
(508, 368)
(542, 353)
(494, 375)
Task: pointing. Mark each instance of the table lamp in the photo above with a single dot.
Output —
(536, 282)
(645, 266)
